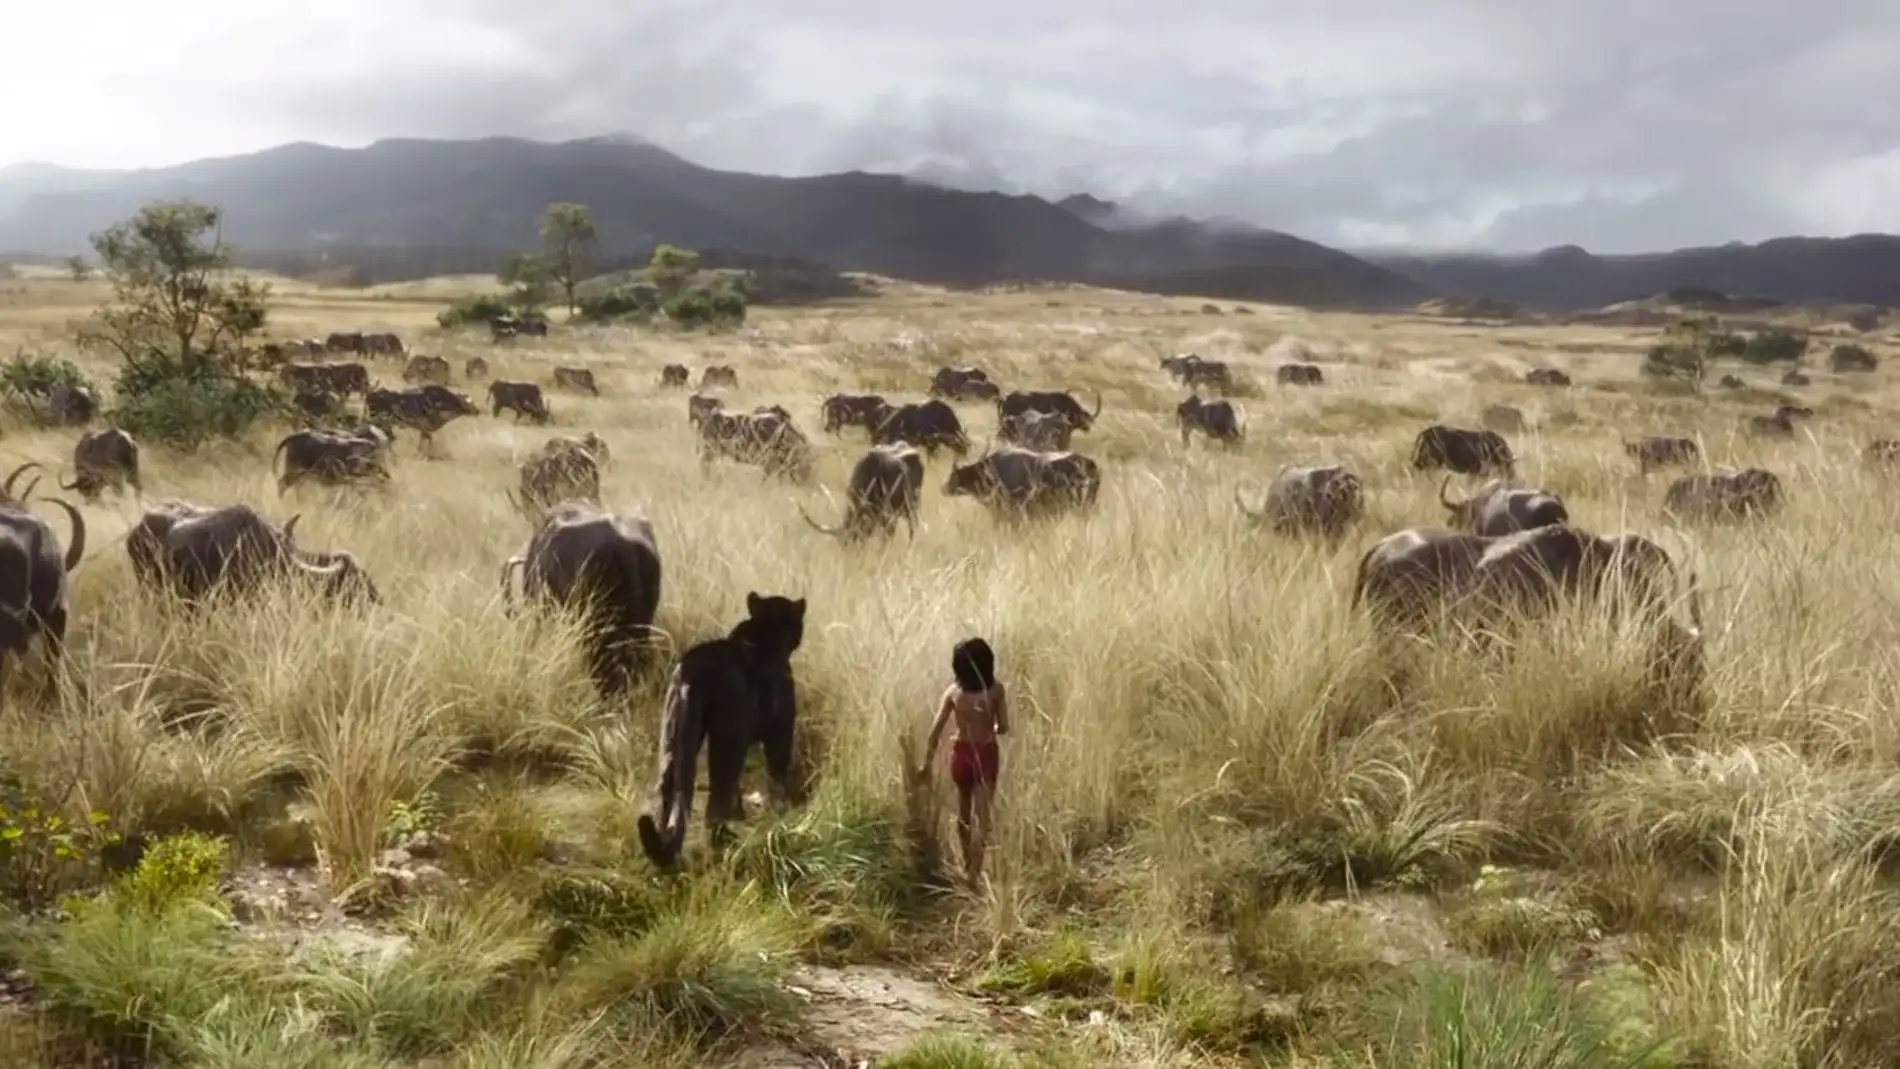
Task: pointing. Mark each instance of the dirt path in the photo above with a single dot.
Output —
(860, 1013)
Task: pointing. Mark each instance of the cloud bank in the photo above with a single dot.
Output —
(1503, 124)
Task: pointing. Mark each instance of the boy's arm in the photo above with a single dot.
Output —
(936, 729)
(1002, 710)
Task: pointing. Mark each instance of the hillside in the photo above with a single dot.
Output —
(417, 206)
(1863, 269)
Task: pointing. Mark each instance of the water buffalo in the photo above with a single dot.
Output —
(1197, 372)
(340, 379)
(427, 369)
(101, 459)
(718, 375)
(1043, 432)
(1498, 509)
(928, 425)
(474, 367)
(1318, 499)
(70, 406)
(603, 564)
(885, 486)
(843, 410)
(330, 457)
(1218, 420)
(1724, 495)
(424, 409)
(33, 583)
(1661, 452)
(1546, 376)
(345, 341)
(767, 439)
(699, 406)
(1796, 377)
(1176, 366)
(1299, 375)
(1467, 452)
(382, 344)
(1056, 402)
(196, 552)
(728, 693)
(963, 384)
(676, 375)
(1019, 483)
(558, 472)
(1502, 418)
(1779, 425)
(314, 407)
(576, 378)
(521, 398)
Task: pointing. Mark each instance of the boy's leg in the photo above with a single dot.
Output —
(979, 830)
(964, 804)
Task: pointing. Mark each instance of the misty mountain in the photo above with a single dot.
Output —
(482, 198)
(409, 207)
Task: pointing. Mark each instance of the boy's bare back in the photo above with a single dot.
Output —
(979, 717)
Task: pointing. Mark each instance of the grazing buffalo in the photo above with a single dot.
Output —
(963, 384)
(676, 375)
(382, 344)
(1310, 499)
(885, 486)
(70, 406)
(1465, 451)
(33, 583)
(766, 439)
(423, 409)
(928, 425)
(1176, 366)
(843, 410)
(1796, 378)
(1498, 509)
(1724, 495)
(505, 327)
(330, 457)
(101, 459)
(475, 367)
(1198, 372)
(427, 369)
(1043, 432)
(1661, 452)
(316, 407)
(1218, 420)
(576, 378)
(345, 341)
(561, 470)
(1502, 418)
(1018, 483)
(340, 379)
(196, 551)
(1409, 574)
(699, 406)
(521, 398)
(1055, 402)
(728, 694)
(603, 564)
(1546, 376)
(1731, 382)
(1779, 425)
(1882, 453)
(718, 375)
(1299, 375)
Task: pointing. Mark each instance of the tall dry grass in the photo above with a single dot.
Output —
(1203, 728)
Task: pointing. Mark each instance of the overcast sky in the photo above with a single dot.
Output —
(1619, 125)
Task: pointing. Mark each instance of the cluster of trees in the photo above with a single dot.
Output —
(570, 241)
(1690, 347)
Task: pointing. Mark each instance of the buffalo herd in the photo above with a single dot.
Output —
(1503, 547)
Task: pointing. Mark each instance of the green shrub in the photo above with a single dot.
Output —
(1851, 358)
(29, 379)
(42, 853)
(716, 308)
(1775, 346)
(634, 302)
(470, 311)
(175, 870)
(186, 405)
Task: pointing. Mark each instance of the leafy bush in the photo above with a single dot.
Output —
(175, 870)
(1775, 346)
(713, 309)
(634, 302)
(1851, 358)
(186, 405)
(471, 311)
(29, 378)
(41, 853)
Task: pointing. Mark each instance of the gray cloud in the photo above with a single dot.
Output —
(1513, 124)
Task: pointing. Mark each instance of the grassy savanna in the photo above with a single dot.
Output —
(1234, 829)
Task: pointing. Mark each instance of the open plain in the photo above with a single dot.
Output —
(1233, 828)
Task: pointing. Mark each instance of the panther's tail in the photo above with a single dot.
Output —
(679, 752)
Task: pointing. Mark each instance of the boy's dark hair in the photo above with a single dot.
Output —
(974, 664)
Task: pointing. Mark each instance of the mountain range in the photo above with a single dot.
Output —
(411, 207)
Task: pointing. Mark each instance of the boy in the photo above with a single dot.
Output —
(981, 709)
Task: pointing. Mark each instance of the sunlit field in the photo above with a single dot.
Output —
(1234, 827)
